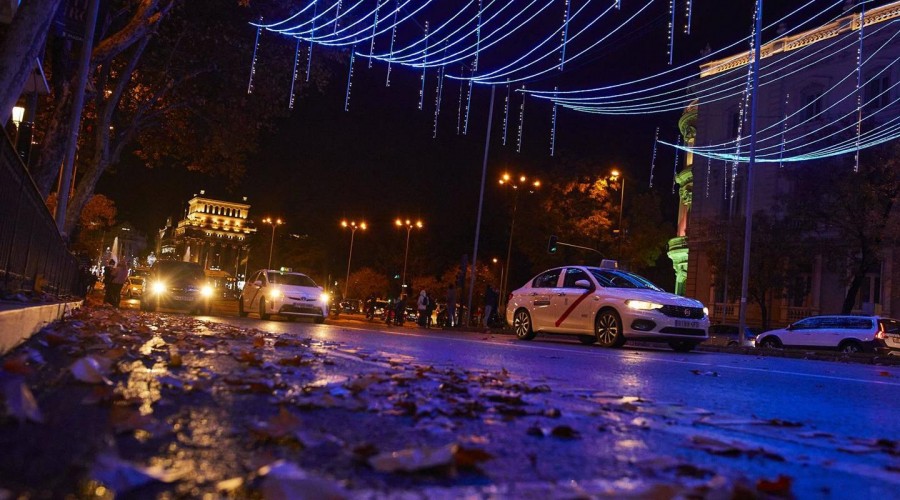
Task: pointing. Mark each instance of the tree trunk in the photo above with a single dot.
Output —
(21, 47)
(850, 298)
(45, 168)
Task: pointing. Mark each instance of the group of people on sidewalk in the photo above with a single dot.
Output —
(114, 279)
(425, 306)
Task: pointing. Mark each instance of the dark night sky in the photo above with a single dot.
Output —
(379, 161)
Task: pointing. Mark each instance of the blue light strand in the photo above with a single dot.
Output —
(295, 15)
(297, 29)
(337, 16)
(477, 42)
(688, 11)
(294, 75)
(437, 102)
(349, 79)
(521, 123)
(424, 69)
(675, 170)
(468, 109)
(671, 50)
(505, 113)
(253, 61)
(787, 101)
(859, 65)
(459, 109)
(690, 66)
(374, 30)
(310, 51)
(708, 174)
(553, 132)
(653, 158)
(397, 55)
(387, 80)
(565, 36)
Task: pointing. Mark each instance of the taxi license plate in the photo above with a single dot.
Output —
(687, 324)
(181, 298)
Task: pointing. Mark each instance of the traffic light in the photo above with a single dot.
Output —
(551, 245)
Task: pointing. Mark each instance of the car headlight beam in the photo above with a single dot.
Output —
(158, 287)
(206, 291)
(325, 297)
(642, 305)
(275, 294)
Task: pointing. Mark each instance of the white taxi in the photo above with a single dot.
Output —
(284, 293)
(605, 305)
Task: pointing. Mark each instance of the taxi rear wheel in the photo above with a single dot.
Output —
(608, 329)
(262, 310)
(522, 325)
(241, 312)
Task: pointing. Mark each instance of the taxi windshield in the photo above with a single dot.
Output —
(291, 279)
(613, 278)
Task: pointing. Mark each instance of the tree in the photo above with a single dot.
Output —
(852, 212)
(777, 254)
(163, 85)
(367, 281)
(98, 216)
(21, 46)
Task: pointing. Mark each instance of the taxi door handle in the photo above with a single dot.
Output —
(561, 294)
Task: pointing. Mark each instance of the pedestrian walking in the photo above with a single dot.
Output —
(451, 305)
(108, 275)
(422, 307)
(429, 310)
(491, 298)
(120, 277)
(400, 310)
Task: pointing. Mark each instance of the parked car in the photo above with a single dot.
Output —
(175, 284)
(605, 305)
(284, 293)
(351, 306)
(888, 342)
(133, 288)
(848, 334)
(727, 335)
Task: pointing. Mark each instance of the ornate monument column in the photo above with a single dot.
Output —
(678, 246)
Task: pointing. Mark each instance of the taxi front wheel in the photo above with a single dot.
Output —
(608, 329)
(522, 325)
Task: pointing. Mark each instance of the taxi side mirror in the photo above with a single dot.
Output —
(582, 284)
(258, 283)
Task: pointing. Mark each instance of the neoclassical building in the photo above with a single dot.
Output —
(214, 233)
(810, 75)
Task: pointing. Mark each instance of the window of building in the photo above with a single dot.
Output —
(812, 105)
(869, 295)
(876, 91)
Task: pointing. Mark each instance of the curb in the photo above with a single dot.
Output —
(19, 321)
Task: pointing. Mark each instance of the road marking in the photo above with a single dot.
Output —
(573, 350)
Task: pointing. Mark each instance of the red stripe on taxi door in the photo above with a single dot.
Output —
(574, 304)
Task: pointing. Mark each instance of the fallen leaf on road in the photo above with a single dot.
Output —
(780, 486)
(706, 374)
(285, 480)
(715, 446)
(89, 370)
(564, 432)
(122, 476)
(18, 365)
(414, 459)
(20, 402)
(280, 426)
(469, 458)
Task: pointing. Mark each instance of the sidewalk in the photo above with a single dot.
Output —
(20, 320)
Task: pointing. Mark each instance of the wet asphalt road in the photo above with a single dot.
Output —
(829, 426)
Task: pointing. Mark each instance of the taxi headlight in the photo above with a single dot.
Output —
(206, 291)
(325, 298)
(158, 287)
(275, 294)
(642, 305)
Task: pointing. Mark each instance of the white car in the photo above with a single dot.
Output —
(848, 334)
(607, 306)
(284, 293)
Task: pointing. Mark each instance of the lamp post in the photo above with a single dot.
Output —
(409, 225)
(495, 260)
(274, 223)
(517, 184)
(616, 175)
(353, 227)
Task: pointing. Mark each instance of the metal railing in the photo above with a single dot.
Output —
(33, 255)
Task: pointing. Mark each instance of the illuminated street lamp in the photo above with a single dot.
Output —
(409, 225)
(516, 184)
(495, 260)
(353, 227)
(616, 175)
(18, 114)
(274, 223)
